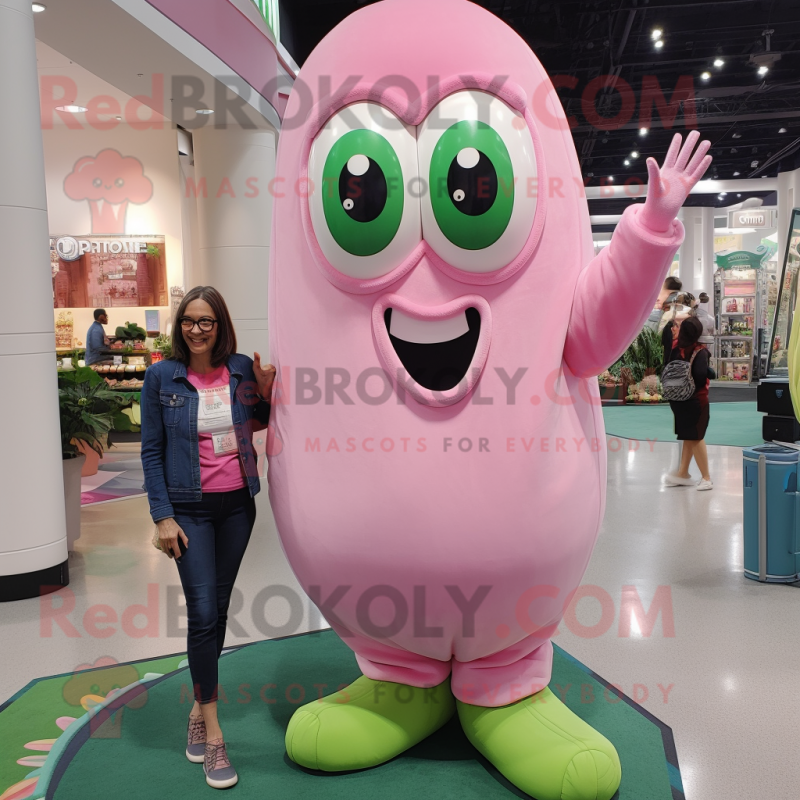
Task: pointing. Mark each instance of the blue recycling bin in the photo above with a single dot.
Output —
(771, 514)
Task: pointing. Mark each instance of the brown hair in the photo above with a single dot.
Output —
(690, 331)
(673, 284)
(225, 345)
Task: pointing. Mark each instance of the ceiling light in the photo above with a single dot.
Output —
(782, 130)
(611, 179)
(38, 8)
(736, 173)
(72, 109)
(754, 164)
(763, 70)
(722, 194)
(204, 111)
(626, 162)
(737, 135)
(718, 62)
(643, 131)
(659, 44)
(656, 33)
(634, 154)
(705, 75)
(738, 194)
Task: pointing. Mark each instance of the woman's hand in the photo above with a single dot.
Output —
(265, 377)
(168, 533)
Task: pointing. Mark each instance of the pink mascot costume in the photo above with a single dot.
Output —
(437, 322)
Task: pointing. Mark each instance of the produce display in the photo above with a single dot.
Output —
(130, 332)
(647, 391)
(122, 376)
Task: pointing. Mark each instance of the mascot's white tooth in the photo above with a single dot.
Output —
(427, 331)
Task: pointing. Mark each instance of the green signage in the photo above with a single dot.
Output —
(743, 259)
(271, 12)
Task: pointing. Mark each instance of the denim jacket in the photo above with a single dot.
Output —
(170, 442)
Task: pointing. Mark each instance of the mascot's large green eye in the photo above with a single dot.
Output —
(472, 185)
(478, 155)
(364, 207)
(363, 192)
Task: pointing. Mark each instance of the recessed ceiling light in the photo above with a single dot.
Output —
(736, 135)
(656, 33)
(782, 130)
(763, 70)
(718, 62)
(738, 194)
(72, 109)
(38, 8)
(722, 194)
(643, 131)
(659, 44)
(626, 162)
(204, 111)
(705, 75)
(736, 173)
(634, 154)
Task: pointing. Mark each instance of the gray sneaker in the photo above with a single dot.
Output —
(219, 772)
(196, 747)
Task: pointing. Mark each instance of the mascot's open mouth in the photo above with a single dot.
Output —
(435, 353)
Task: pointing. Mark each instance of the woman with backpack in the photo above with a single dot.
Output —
(684, 381)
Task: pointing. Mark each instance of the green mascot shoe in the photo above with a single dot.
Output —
(544, 749)
(366, 724)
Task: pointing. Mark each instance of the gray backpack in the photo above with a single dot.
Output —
(677, 383)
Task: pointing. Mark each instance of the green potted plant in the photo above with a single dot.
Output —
(86, 409)
(163, 344)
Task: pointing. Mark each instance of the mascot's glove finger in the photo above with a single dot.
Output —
(669, 186)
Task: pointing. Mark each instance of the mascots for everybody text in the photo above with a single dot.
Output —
(435, 300)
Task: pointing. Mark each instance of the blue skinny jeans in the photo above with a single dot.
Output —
(218, 528)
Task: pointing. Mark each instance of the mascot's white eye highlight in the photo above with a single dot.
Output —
(364, 207)
(477, 156)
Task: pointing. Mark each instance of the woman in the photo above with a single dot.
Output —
(691, 416)
(199, 411)
(709, 329)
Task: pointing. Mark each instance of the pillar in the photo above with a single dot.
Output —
(697, 251)
(234, 220)
(33, 543)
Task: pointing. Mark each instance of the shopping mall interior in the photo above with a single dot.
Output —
(458, 358)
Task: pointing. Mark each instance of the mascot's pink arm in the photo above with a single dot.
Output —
(617, 291)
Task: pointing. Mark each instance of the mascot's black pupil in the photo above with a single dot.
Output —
(363, 197)
(473, 189)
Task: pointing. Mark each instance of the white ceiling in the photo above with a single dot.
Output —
(51, 62)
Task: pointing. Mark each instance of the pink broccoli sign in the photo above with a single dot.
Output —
(109, 181)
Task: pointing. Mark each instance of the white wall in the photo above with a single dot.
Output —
(157, 150)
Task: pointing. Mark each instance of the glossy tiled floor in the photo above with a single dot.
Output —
(726, 681)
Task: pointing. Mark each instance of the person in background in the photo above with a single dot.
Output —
(706, 319)
(692, 415)
(677, 308)
(96, 339)
(671, 285)
(200, 409)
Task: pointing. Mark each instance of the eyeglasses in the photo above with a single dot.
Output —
(206, 324)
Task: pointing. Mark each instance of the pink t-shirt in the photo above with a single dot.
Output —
(218, 473)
